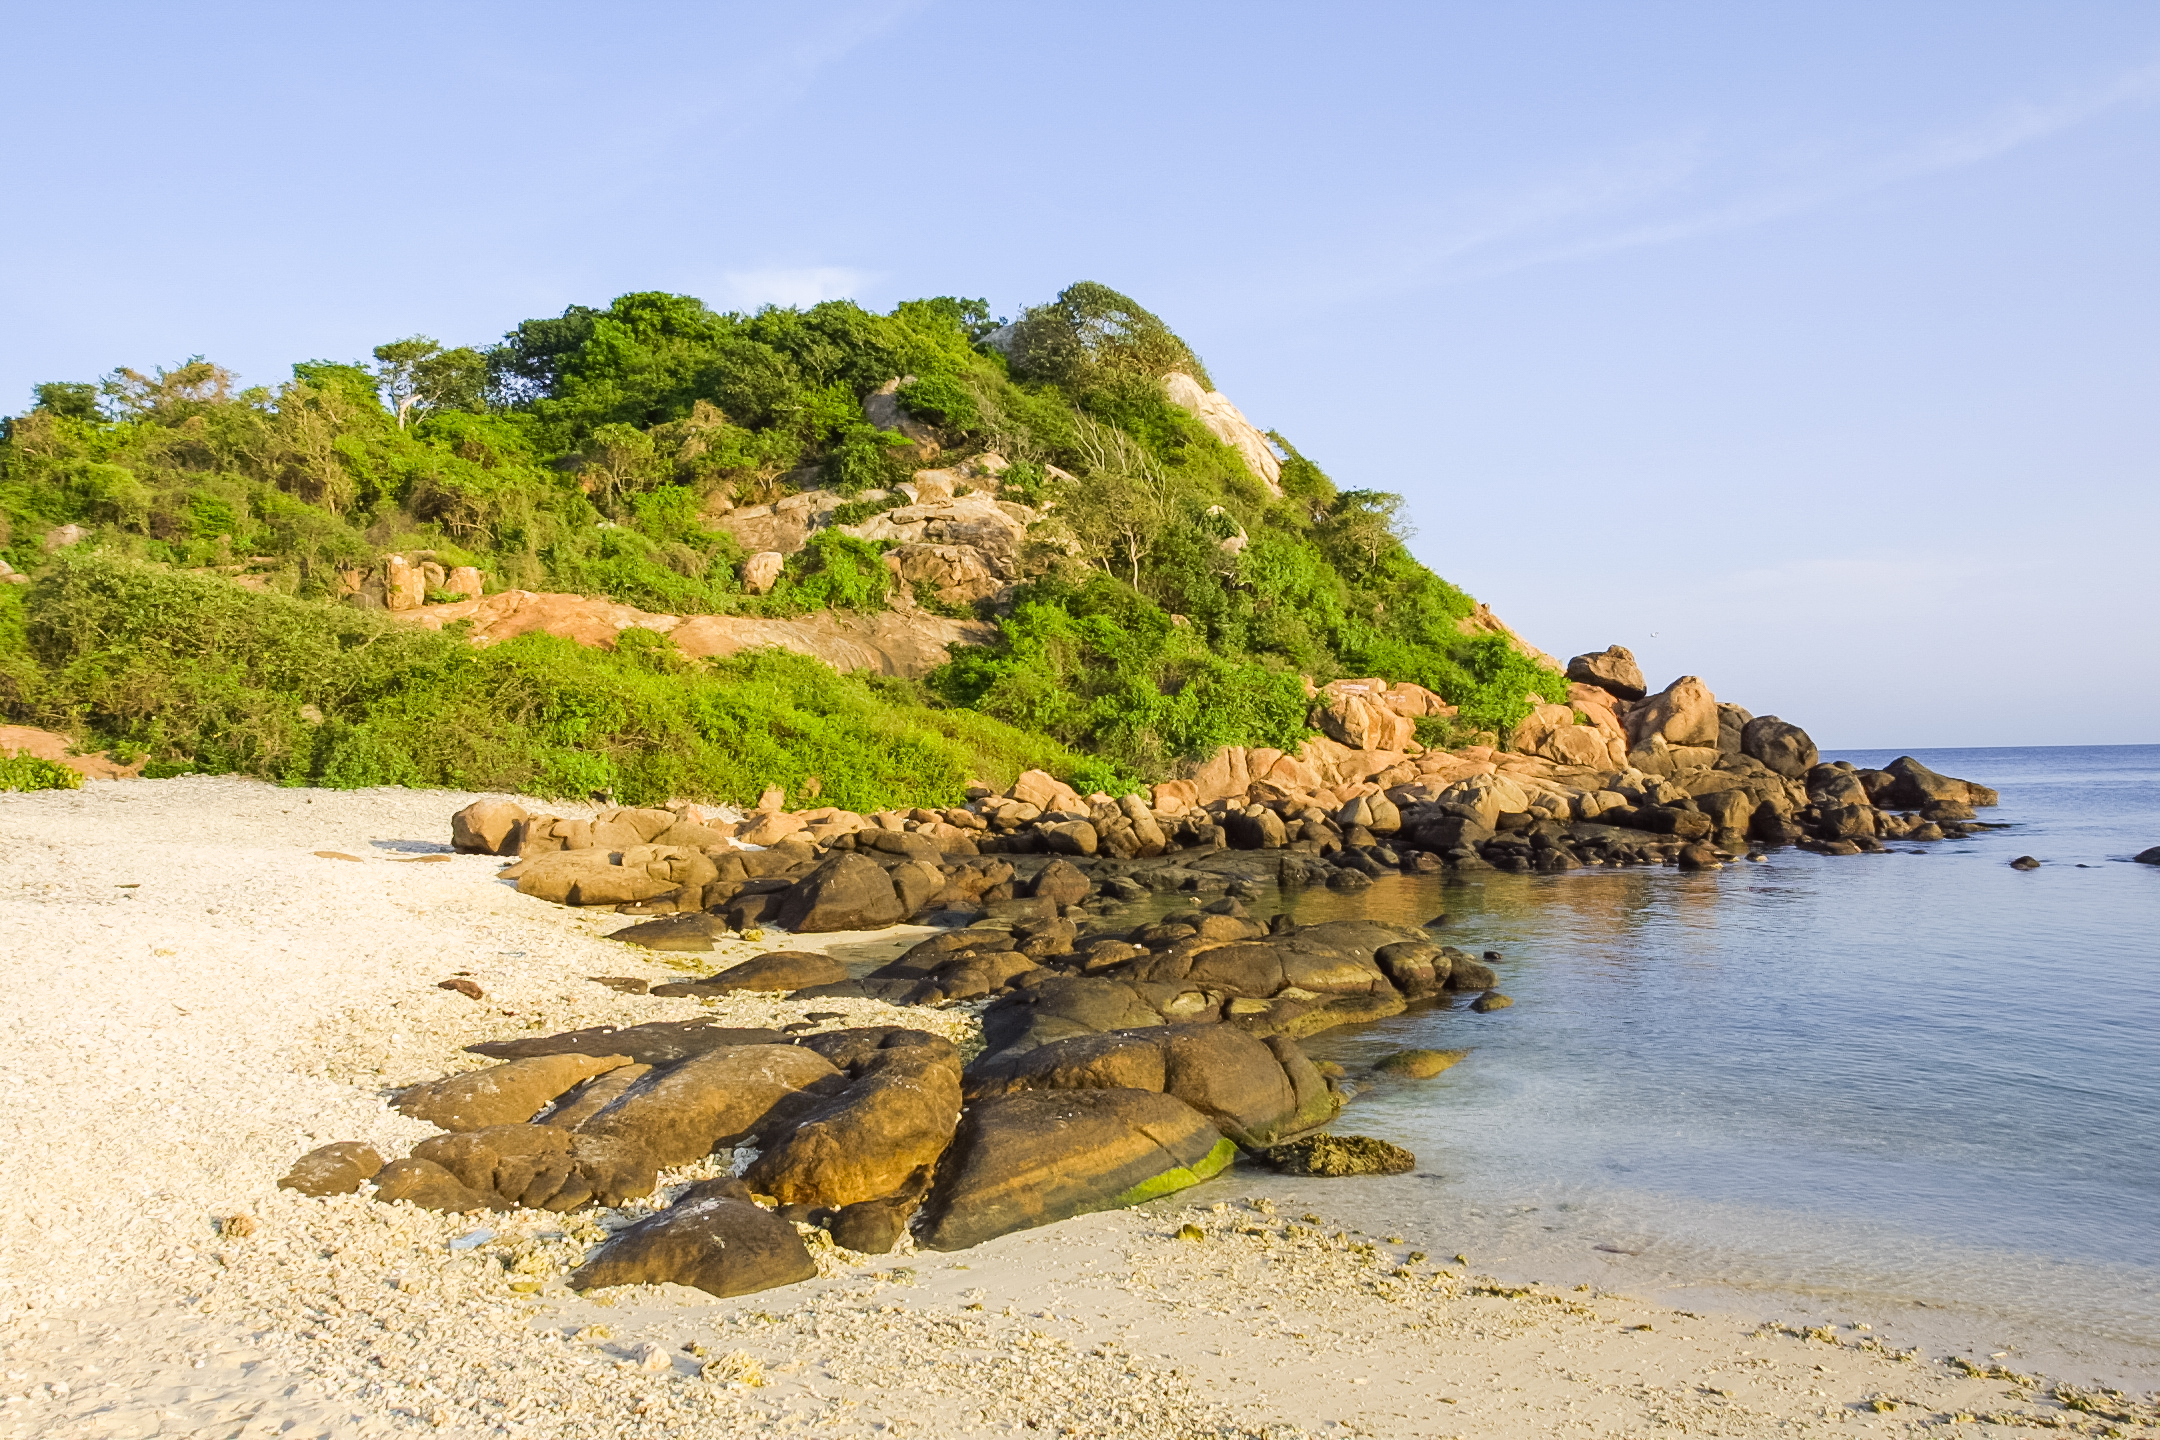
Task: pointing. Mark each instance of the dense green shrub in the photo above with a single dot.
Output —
(24, 771)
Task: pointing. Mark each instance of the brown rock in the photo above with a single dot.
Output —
(847, 892)
(431, 1187)
(1231, 1078)
(501, 1094)
(1684, 713)
(691, 934)
(1612, 669)
(1341, 1155)
(717, 1098)
(1040, 1156)
(485, 827)
(468, 988)
(543, 1167)
(662, 1042)
(1420, 1064)
(1115, 1061)
(595, 1095)
(335, 1169)
(707, 1239)
(894, 1120)
(1062, 883)
(781, 970)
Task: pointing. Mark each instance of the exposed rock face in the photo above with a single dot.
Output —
(709, 1239)
(954, 574)
(1350, 712)
(506, 1094)
(1040, 1156)
(339, 1168)
(762, 570)
(1913, 785)
(1228, 424)
(782, 527)
(1612, 669)
(886, 643)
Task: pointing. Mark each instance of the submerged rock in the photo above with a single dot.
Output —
(1420, 1064)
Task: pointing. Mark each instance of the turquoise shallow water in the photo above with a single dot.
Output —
(1924, 1081)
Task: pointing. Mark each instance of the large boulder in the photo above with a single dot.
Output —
(543, 1167)
(1255, 828)
(717, 1098)
(1913, 785)
(1118, 1060)
(339, 1168)
(710, 1239)
(1233, 1079)
(1783, 748)
(895, 1119)
(1228, 424)
(486, 827)
(1040, 1156)
(1062, 883)
(1361, 721)
(847, 892)
(1612, 670)
(1684, 713)
(953, 574)
(1065, 1006)
(2148, 857)
(507, 1094)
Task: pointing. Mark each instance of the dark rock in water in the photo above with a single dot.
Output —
(506, 1094)
(1699, 857)
(1465, 973)
(1041, 1156)
(339, 1168)
(1915, 785)
(1490, 1000)
(1415, 967)
(2025, 862)
(684, 1112)
(1341, 1155)
(2148, 857)
(782, 970)
(663, 1042)
(694, 933)
(847, 892)
(1947, 812)
(543, 1167)
(1349, 880)
(1612, 670)
(708, 1239)
(431, 1187)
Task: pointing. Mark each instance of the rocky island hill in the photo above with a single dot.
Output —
(847, 621)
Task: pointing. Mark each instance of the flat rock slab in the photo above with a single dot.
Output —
(506, 1094)
(692, 933)
(663, 1042)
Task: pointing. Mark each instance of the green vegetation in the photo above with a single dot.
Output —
(24, 771)
(1172, 603)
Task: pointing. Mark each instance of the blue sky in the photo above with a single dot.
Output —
(1811, 349)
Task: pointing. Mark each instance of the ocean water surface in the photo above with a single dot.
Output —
(1921, 1083)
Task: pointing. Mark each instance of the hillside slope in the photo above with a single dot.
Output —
(216, 569)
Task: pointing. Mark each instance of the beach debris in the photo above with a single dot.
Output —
(469, 989)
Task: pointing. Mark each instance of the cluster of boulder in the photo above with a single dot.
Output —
(1103, 1083)
(1694, 783)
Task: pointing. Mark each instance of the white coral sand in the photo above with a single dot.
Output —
(192, 997)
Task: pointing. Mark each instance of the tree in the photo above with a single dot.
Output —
(418, 373)
(69, 399)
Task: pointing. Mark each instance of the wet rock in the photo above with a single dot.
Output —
(2148, 857)
(685, 1112)
(707, 1239)
(2025, 862)
(507, 1094)
(1489, 1001)
(1419, 1064)
(1336, 1156)
(1699, 857)
(340, 1168)
(1062, 883)
(847, 892)
(1041, 1156)
(1465, 973)
(431, 1187)
(779, 970)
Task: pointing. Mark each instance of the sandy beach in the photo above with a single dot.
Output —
(195, 994)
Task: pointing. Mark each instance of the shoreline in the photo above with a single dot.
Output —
(174, 1051)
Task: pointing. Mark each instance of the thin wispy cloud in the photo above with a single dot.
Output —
(1685, 188)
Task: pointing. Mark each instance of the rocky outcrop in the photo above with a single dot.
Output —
(885, 643)
(506, 1094)
(1228, 424)
(1612, 669)
(712, 1238)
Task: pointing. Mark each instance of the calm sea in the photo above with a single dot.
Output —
(1920, 1086)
